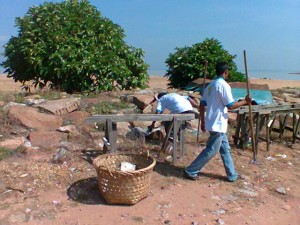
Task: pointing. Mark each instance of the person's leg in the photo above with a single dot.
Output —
(212, 148)
(187, 123)
(167, 125)
(227, 159)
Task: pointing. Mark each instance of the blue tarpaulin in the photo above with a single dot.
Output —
(260, 97)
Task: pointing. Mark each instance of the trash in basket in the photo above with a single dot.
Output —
(127, 166)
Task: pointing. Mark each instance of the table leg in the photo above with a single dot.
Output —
(111, 134)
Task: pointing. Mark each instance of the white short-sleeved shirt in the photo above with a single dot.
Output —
(174, 102)
(217, 95)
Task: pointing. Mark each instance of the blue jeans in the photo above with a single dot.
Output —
(217, 142)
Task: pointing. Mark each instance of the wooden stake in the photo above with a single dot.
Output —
(203, 87)
(250, 113)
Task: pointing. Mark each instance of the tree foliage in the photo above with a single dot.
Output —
(71, 46)
(188, 63)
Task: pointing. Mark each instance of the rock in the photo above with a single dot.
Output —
(157, 135)
(127, 98)
(168, 222)
(47, 139)
(60, 156)
(71, 146)
(13, 143)
(123, 127)
(220, 222)
(244, 177)
(215, 197)
(17, 218)
(145, 92)
(31, 118)
(286, 207)
(142, 101)
(31, 102)
(135, 134)
(250, 193)
(219, 211)
(169, 159)
(10, 104)
(281, 190)
(61, 106)
(149, 109)
(70, 129)
(77, 117)
(140, 123)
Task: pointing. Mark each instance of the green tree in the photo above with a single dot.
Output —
(72, 47)
(188, 63)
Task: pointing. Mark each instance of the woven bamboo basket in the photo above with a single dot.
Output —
(120, 187)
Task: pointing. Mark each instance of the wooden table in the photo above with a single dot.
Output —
(265, 115)
(177, 122)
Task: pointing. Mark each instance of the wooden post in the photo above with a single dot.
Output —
(111, 135)
(296, 122)
(250, 112)
(175, 138)
(203, 87)
(181, 138)
(268, 132)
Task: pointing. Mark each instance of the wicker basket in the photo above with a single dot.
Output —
(119, 187)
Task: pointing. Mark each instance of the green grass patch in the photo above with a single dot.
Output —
(50, 95)
(4, 153)
(16, 97)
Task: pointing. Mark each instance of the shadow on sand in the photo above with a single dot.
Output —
(86, 191)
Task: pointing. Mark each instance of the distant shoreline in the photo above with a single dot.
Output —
(160, 82)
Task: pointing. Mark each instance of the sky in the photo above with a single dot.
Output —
(268, 30)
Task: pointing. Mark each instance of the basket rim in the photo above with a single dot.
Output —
(131, 172)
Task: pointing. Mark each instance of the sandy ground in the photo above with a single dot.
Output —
(157, 82)
(161, 82)
(35, 191)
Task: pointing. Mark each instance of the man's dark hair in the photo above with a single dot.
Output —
(221, 67)
(161, 94)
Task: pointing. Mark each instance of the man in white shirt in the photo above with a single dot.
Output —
(217, 98)
(175, 103)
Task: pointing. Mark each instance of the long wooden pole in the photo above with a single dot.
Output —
(203, 87)
(250, 112)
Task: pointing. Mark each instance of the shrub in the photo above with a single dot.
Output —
(188, 63)
(72, 47)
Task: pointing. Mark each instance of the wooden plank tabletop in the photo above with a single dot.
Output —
(139, 117)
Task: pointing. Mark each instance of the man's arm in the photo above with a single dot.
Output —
(236, 105)
(193, 102)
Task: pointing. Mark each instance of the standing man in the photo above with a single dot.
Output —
(217, 98)
(175, 103)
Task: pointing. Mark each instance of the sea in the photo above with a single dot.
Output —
(262, 74)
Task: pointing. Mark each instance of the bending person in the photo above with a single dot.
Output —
(175, 103)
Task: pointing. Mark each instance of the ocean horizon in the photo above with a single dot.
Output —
(252, 74)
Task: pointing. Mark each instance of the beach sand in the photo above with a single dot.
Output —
(159, 82)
